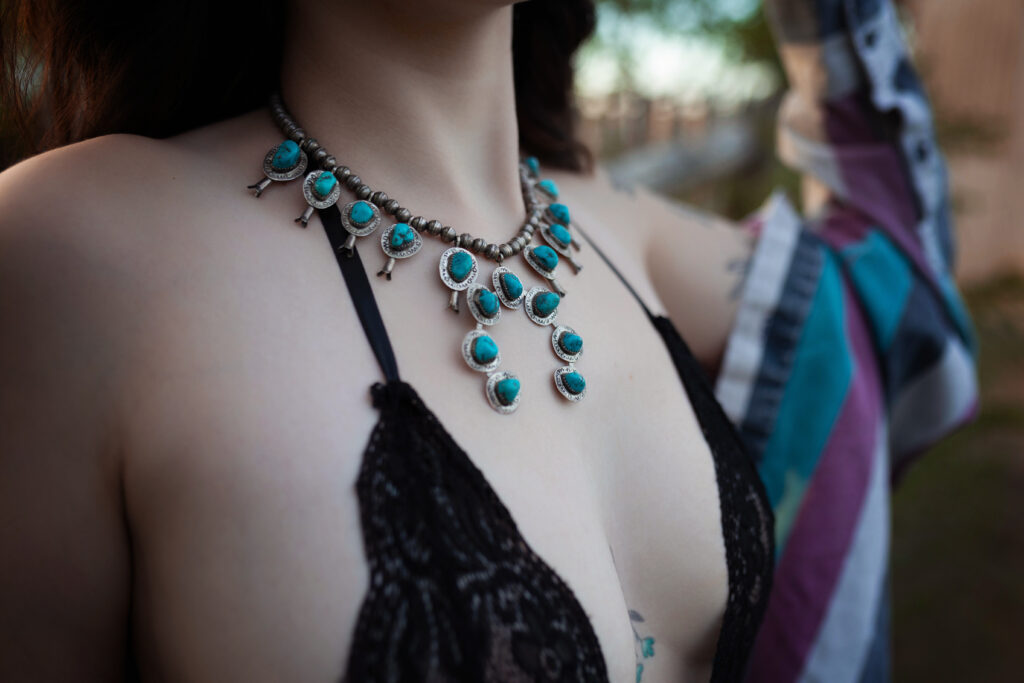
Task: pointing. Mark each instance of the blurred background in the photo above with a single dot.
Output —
(680, 96)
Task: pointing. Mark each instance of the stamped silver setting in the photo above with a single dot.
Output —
(284, 176)
(514, 304)
(560, 384)
(556, 338)
(467, 353)
(474, 308)
(447, 278)
(362, 230)
(312, 199)
(385, 244)
(492, 396)
(534, 291)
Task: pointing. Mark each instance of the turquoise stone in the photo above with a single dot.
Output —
(460, 265)
(574, 382)
(512, 286)
(533, 165)
(549, 187)
(487, 302)
(361, 213)
(402, 236)
(484, 350)
(286, 157)
(545, 303)
(560, 212)
(561, 234)
(571, 343)
(323, 185)
(507, 390)
(545, 257)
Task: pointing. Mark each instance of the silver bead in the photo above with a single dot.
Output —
(353, 181)
(517, 246)
(528, 229)
(434, 227)
(342, 172)
(478, 245)
(363, 191)
(465, 239)
(310, 145)
(391, 206)
(379, 198)
(506, 250)
(491, 252)
(300, 135)
(448, 234)
(404, 216)
(330, 162)
(418, 223)
(320, 156)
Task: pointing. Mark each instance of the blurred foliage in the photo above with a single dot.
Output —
(738, 25)
(741, 28)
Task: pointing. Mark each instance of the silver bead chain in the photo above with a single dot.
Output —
(325, 160)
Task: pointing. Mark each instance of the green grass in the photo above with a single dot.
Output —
(958, 523)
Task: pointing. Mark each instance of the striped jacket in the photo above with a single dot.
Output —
(851, 351)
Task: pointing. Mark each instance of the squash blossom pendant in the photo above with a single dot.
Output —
(359, 218)
(398, 241)
(282, 163)
(458, 269)
(321, 190)
(559, 238)
(544, 260)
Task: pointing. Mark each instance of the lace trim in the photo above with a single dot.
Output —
(455, 594)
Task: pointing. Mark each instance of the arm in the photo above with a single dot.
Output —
(64, 572)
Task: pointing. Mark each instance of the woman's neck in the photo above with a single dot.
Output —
(416, 99)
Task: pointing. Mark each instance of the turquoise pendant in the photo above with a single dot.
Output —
(508, 287)
(360, 219)
(548, 187)
(560, 240)
(458, 269)
(321, 190)
(398, 242)
(282, 163)
(544, 260)
(503, 392)
(570, 383)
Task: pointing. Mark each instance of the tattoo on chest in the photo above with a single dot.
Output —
(644, 644)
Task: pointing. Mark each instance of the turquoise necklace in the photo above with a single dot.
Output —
(324, 180)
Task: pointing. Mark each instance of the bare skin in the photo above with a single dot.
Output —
(183, 380)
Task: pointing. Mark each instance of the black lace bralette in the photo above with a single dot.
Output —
(455, 592)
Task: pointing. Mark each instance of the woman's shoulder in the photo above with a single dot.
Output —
(102, 178)
(695, 260)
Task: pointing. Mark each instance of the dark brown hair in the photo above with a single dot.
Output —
(74, 69)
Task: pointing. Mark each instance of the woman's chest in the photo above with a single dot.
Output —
(252, 416)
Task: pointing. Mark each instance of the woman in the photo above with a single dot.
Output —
(212, 531)
(186, 406)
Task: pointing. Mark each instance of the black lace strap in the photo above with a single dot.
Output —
(361, 292)
(616, 271)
